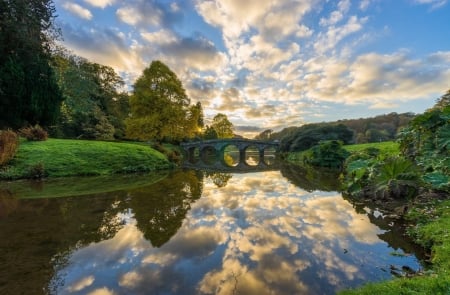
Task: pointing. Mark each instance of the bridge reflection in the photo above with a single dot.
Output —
(230, 155)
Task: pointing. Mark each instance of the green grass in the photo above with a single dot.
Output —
(386, 147)
(63, 157)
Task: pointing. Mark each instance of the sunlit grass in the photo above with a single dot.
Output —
(385, 147)
(62, 157)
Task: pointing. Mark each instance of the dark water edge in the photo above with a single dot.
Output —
(198, 233)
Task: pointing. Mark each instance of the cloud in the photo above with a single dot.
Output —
(143, 13)
(434, 3)
(77, 10)
(100, 3)
(108, 47)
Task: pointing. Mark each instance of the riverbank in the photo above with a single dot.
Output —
(429, 219)
(65, 157)
(430, 227)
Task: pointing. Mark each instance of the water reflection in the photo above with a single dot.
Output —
(194, 233)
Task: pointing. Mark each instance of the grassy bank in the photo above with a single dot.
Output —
(62, 157)
(386, 147)
(430, 228)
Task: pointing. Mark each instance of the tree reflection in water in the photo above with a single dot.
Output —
(195, 233)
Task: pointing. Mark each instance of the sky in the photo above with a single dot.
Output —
(270, 64)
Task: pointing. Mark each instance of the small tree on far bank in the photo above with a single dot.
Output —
(223, 127)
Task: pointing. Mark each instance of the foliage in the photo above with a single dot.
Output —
(34, 133)
(377, 173)
(310, 135)
(159, 106)
(94, 106)
(265, 135)
(210, 133)
(427, 284)
(434, 231)
(366, 130)
(29, 93)
(64, 157)
(223, 127)
(195, 120)
(9, 143)
(328, 154)
(172, 154)
(427, 141)
(396, 177)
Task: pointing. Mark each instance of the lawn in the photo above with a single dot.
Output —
(385, 147)
(63, 157)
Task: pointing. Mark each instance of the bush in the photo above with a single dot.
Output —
(34, 133)
(9, 144)
(328, 154)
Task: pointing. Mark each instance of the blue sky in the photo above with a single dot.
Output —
(273, 63)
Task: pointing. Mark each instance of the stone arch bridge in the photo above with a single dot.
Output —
(203, 149)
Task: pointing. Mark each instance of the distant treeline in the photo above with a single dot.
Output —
(363, 130)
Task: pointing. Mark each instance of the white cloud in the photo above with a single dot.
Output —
(77, 10)
(434, 3)
(100, 3)
(379, 80)
(364, 4)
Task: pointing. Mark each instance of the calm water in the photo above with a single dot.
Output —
(191, 232)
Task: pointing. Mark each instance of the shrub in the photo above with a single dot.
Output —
(9, 144)
(328, 154)
(37, 171)
(34, 133)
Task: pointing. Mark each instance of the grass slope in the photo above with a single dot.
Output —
(386, 147)
(63, 157)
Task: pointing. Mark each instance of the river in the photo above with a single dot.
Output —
(285, 231)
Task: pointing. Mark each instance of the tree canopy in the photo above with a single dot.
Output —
(160, 107)
(28, 90)
(94, 106)
(308, 136)
(223, 127)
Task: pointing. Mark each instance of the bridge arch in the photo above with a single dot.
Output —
(215, 149)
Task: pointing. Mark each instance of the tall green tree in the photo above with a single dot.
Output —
(159, 106)
(223, 127)
(29, 93)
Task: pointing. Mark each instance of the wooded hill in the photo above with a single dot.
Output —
(374, 129)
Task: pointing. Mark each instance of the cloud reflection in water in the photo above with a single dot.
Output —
(259, 234)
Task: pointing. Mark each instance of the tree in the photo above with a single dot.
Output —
(210, 133)
(265, 135)
(223, 127)
(159, 105)
(93, 105)
(310, 135)
(28, 90)
(195, 120)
